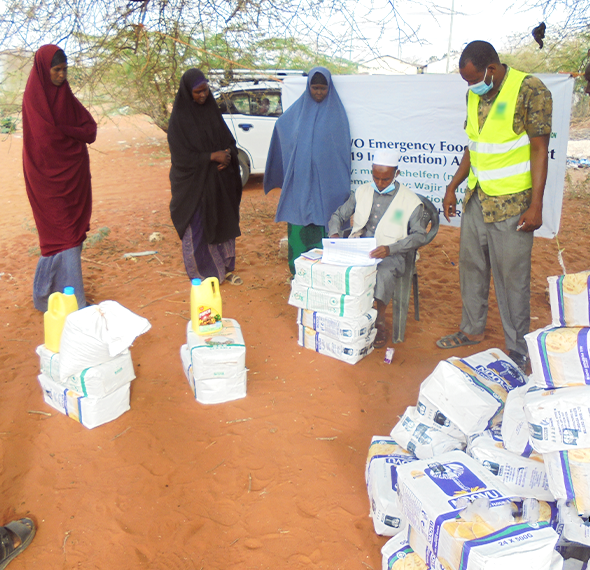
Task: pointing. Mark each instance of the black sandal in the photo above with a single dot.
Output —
(455, 340)
(24, 530)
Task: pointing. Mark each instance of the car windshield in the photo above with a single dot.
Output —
(257, 102)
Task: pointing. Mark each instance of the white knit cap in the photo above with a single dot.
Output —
(386, 158)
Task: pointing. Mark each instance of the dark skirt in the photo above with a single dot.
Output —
(202, 259)
(302, 239)
(54, 273)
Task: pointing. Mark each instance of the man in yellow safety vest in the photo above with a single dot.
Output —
(508, 125)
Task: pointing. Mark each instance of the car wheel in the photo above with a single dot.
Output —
(244, 169)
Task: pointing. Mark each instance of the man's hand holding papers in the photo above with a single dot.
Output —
(358, 251)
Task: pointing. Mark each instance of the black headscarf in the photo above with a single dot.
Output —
(59, 57)
(194, 132)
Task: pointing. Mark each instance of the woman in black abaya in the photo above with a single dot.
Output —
(205, 181)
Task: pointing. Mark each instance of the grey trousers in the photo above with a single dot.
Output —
(498, 247)
(64, 269)
(390, 267)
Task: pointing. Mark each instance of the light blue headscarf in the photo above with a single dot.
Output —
(309, 158)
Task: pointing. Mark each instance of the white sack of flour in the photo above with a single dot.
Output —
(559, 356)
(494, 367)
(569, 477)
(343, 329)
(353, 280)
(432, 416)
(420, 546)
(524, 476)
(90, 412)
(515, 428)
(569, 296)
(347, 351)
(571, 526)
(397, 554)
(461, 397)
(96, 381)
(219, 390)
(464, 514)
(95, 334)
(221, 354)
(187, 365)
(558, 419)
(213, 390)
(385, 455)
(328, 302)
(422, 440)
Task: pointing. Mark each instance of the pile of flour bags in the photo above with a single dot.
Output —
(335, 307)
(215, 364)
(89, 378)
(491, 468)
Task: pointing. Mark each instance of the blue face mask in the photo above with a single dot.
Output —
(482, 87)
(386, 190)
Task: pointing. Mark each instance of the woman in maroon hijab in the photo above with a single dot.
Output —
(56, 130)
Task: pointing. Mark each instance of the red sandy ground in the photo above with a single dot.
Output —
(275, 480)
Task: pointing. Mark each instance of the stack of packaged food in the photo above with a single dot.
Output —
(557, 406)
(491, 469)
(215, 363)
(88, 377)
(335, 315)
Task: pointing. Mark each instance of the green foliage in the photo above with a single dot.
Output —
(289, 53)
(142, 70)
(7, 125)
(29, 226)
(569, 55)
(97, 237)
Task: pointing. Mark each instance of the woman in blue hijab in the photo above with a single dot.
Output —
(309, 159)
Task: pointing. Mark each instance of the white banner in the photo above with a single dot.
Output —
(422, 116)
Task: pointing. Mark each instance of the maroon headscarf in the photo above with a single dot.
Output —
(56, 129)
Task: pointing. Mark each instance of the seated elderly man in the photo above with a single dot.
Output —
(391, 213)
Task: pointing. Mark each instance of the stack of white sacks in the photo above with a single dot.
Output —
(491, 469)
(215, 364)
(89, 378)
(335, 315)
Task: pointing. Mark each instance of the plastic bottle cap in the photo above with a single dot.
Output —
(68, 290)
(196, 281)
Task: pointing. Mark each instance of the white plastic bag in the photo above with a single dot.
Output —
(96, 334)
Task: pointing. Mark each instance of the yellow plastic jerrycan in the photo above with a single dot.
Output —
(206, 306)
(59, 306)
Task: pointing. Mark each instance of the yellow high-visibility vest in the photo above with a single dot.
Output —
(500, 159)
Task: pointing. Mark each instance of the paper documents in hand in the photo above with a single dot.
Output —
(349, 251)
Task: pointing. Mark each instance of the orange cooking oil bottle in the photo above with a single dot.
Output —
(206, 306)
(59, 306)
